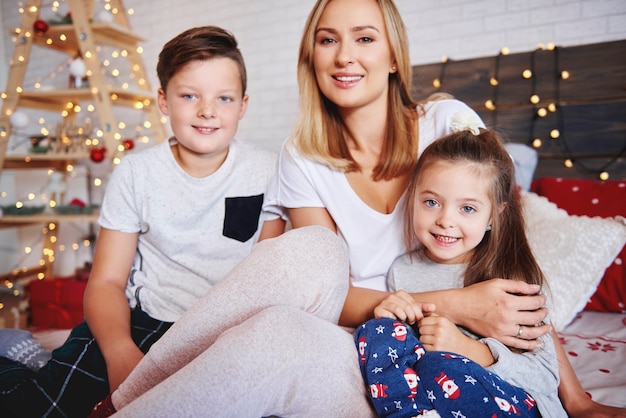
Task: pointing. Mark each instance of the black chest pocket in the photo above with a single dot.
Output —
(242, 217)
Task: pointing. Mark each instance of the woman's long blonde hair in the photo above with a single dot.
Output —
(320, 134)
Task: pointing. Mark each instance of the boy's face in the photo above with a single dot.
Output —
(204, 102)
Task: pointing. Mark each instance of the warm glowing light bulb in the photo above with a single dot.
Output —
(565, 74)
(568, 163)
(527, 73)
(489, 104)
(493, 81)
(555, 133)
(436, 83)
(542, 112)
(604, 176)
(537, 143)
(534, 99)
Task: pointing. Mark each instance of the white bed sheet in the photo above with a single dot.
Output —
(595, 343)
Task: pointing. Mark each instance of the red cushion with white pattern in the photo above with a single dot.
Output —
(593, 198)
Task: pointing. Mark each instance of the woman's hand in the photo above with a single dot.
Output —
(402, 306)
(500, 308)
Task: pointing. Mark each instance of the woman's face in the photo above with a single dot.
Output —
(352, 58)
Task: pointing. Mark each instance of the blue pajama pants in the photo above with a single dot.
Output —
(405, 380)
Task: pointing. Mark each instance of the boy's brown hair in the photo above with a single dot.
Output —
(199, 44)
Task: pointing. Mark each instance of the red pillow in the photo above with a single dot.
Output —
(593, 198)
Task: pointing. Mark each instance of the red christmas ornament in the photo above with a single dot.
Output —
(77, 202)
(97, 154)
(40, 26)
(128, 144)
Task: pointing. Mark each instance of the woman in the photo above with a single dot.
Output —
(218, 360)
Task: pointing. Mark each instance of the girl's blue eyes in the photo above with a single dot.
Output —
(431, 203)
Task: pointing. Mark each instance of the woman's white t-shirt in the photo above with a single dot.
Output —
(374, 239)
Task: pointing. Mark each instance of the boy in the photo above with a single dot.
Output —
(176, 216)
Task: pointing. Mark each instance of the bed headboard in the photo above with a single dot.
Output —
(581, 90)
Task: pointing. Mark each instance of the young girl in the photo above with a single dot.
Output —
(465, 210)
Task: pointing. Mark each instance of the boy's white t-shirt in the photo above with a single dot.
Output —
(192, 231)
(374, 239)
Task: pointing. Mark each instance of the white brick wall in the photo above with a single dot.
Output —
(269, 32)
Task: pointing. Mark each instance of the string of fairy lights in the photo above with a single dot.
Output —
(541, 109)
(119, 74)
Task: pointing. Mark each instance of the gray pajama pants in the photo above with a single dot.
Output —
(263, 341)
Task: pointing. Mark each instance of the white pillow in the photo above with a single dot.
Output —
(572, 251)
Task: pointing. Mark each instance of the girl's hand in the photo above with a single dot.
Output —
(438, 333)
(402, 306)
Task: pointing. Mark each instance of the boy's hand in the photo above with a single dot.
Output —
(120, 365)
(402, 306)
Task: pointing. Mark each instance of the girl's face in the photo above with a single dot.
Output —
(205, 102)
(452, 211)
(352, 58)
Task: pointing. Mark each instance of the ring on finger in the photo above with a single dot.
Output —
(519, 333)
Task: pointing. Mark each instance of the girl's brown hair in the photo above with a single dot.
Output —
(320, 134)
(504, 251)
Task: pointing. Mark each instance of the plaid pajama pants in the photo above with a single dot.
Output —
(74, 380)
(405, 380)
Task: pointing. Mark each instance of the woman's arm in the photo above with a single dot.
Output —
(360, 303)
(495, 308)
(106, 308)
(311, 216)
(272, 229)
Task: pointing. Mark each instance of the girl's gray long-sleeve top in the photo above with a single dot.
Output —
(534, 371)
